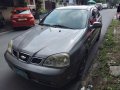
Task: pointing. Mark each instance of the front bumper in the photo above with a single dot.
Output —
(43, 75)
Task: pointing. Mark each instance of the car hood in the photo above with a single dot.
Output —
(47, 40)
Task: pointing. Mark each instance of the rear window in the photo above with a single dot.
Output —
(22, 12)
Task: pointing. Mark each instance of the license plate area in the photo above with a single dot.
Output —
(22, 19)
(21, 72)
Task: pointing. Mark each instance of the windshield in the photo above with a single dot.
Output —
(22, 12)
(72, 18)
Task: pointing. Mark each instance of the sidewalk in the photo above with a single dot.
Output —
(5, 28)
(105, 71)
(37, 21)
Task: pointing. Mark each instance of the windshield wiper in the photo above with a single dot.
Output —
(44, 24)
(57, 25)
(62, 26)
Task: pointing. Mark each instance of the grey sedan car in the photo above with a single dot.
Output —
(55, 51)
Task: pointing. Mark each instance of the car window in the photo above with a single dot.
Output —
(93, 13)
(72, 18)
(22, 12)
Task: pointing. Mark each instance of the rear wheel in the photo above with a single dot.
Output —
(98, 36)
(15, 28)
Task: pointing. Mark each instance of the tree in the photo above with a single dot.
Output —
(38, 8)
(113, 2)
(38, 5)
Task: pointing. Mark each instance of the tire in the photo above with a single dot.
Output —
(82, 66)
(15, 28)
(98, 36)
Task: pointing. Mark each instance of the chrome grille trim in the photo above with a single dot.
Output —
(37, 62)
(30, 59)
(13, 53)
(24, 54)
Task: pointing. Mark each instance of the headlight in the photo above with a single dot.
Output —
(57, 60)
(10, 46)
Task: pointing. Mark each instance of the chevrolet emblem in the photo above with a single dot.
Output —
(23, 57)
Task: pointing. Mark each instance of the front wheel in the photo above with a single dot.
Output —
(82, 66)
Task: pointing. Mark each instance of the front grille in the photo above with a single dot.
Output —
(23, 57)
(15, 53)
(26, 58)
(36, 60)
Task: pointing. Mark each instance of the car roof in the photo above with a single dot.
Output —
(21, 8)
(84, 7)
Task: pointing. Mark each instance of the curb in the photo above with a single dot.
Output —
(1, 33)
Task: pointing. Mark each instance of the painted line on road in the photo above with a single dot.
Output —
(5, 32)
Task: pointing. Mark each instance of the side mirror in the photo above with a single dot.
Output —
(40, 20)
(97, 25)
(41, 16)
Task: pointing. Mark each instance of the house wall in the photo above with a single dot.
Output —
(31, 4)
(7, 13)
(44, 5)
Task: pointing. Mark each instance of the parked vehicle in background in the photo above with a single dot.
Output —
(22, 17)
(55, 51)
(99, 6)
(105, 6)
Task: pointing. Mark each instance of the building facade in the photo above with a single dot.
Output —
(6, 6)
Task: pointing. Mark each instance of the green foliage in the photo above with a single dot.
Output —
(38, 5)
(107, 49)
(43, 10)
(114, 2)
(25, 3)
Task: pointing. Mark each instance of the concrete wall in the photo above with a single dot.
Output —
(33, 5)
(7, 13)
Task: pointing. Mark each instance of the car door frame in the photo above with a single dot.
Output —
(93, 32)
